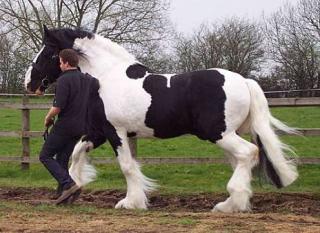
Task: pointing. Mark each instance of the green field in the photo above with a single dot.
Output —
(172, 178)
(186, 146)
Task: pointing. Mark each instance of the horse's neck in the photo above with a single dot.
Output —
(101, 56)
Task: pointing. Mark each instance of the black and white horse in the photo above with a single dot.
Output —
(214, 104)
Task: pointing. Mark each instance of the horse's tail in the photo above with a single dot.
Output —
(277, 167)
(81, 171)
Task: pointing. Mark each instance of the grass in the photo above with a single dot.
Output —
(303, 117)
(7, 206)
(188, 221)
(173, 179)
(300, 117)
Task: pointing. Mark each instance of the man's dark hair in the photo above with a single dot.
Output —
(70, 56)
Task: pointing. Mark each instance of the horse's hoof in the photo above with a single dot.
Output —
(216, 209)
(223, 207)
(126, 204)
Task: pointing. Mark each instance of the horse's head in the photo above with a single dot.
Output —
(45, 69)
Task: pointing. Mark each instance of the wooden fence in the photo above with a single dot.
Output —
(25, 134)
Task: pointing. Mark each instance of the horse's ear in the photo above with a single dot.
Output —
(48, 36)
(46, 32)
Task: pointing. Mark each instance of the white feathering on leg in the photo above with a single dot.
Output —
(81, 171)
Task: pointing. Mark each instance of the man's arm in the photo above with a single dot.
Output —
(50, 115)
(60, 100)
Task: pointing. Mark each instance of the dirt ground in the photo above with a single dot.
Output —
(93, 212)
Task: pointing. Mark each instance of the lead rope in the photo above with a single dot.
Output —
(46, 132)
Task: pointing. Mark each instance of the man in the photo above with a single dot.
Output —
(70, 104)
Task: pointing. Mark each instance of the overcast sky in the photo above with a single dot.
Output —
(187, 15)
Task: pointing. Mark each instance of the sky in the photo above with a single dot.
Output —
(187, 15)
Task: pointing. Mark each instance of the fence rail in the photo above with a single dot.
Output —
(36, 134)
(27, 106)
(273, 102)
(26, 134)
(289, 102)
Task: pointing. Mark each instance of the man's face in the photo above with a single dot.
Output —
(63, 66)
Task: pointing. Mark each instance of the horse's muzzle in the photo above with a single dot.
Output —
(39, 91)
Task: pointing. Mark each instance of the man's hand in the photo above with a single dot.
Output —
(48, 121)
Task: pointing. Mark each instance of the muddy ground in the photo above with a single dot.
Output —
(271, 212)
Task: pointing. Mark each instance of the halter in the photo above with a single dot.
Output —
(46, 81)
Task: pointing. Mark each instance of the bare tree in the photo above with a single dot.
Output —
(293, 43)
(236, 45)
(309, 11)
(11, 71)
(124, 21)
(185, 49)
(129, 22)
(5, 63)
(158, 57)
(243, 46)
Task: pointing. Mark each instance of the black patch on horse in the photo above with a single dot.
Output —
(193, 104)
(131, 134)
(137, 71)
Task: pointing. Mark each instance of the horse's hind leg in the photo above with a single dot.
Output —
(137, 184)
(246, 156)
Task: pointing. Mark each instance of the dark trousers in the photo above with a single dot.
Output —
(60, 146)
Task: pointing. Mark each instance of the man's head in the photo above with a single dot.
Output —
(68, 59)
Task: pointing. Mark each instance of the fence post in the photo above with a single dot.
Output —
(133, 147)
(25, 160)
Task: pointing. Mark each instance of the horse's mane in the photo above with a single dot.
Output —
(67, 36)
(68, 33)
(114, 48)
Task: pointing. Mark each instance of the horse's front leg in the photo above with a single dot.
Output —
(138, 185)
